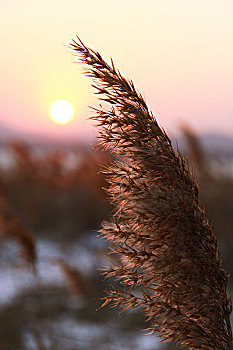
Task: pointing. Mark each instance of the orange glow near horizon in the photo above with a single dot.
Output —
(178, 53)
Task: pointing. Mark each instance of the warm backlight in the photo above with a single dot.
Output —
(61, 111)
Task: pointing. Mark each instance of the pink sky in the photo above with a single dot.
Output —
(179, 54)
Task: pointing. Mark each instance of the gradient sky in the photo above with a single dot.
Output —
(179, 53)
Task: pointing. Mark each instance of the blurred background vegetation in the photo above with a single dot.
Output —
(51, 205)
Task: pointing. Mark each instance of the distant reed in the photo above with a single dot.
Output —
(164, 241)
(11, 227)
(196, 154)
(76, 284)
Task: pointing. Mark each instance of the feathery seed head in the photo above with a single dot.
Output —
(166, 245)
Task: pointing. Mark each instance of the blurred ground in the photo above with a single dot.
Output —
(50, 284)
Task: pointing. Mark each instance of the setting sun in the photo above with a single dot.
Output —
(61, 111)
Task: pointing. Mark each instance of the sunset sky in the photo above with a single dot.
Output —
(179, 54)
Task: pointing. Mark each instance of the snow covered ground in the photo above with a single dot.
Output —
(67, 330)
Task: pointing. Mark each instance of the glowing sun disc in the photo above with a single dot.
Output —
(61, 111)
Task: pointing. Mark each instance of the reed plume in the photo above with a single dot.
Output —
(166, 245)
